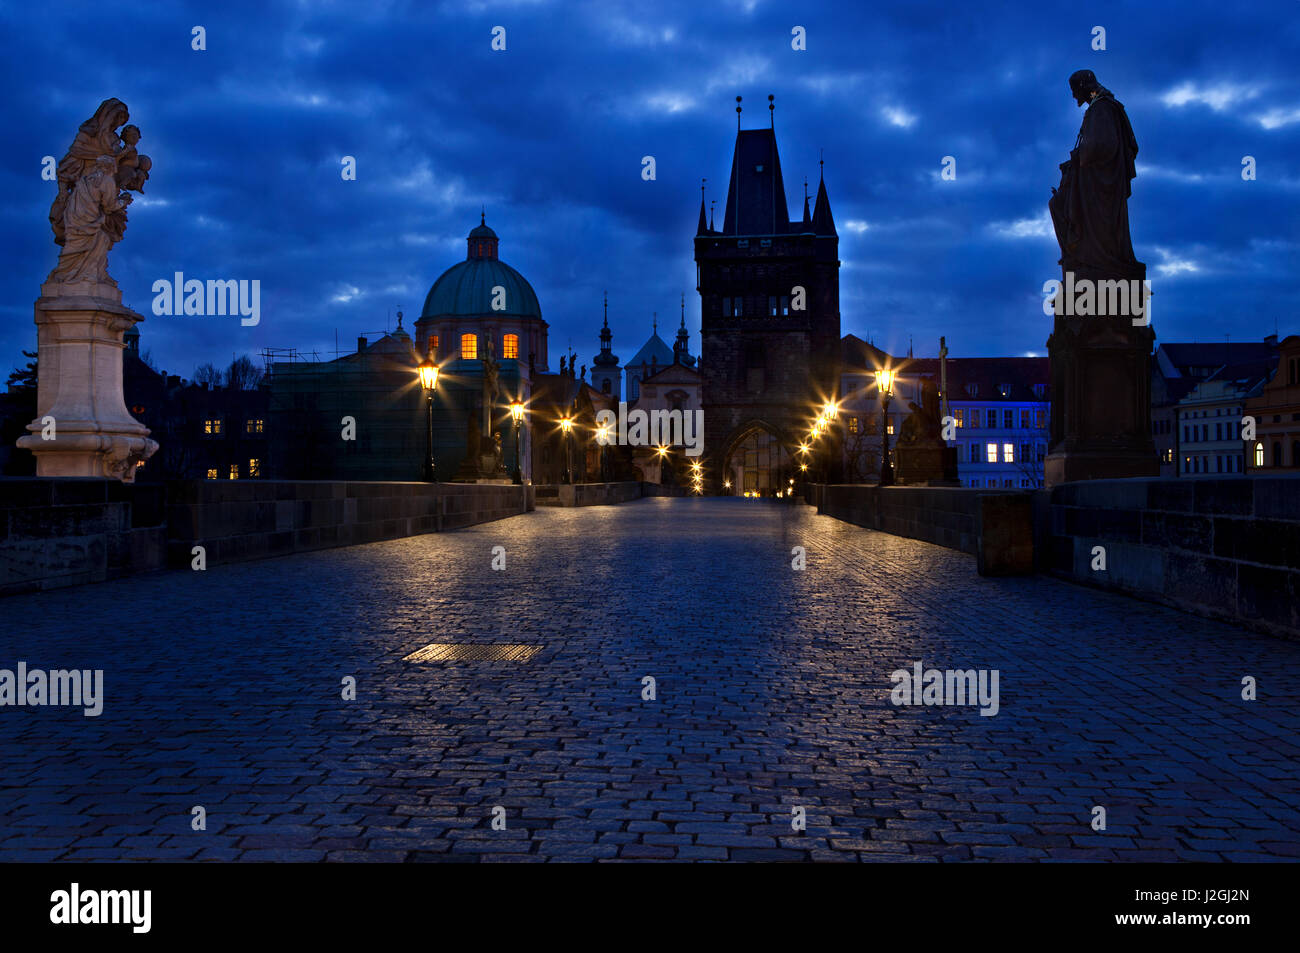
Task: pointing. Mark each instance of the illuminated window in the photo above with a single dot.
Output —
(212, 474)
(433, 346)
(961, 416)
(1008, 453)
(510, 348)
(255, 425)
(991, 453)
(1040, 418)
(853, 425)
(469, 346)
(212, 426)
(234, 471)
(254, 467)
(891, 428)
(1024, 418)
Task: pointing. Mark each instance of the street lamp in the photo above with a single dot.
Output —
(429, 381)
(602, 438)
(517, 414)
(566, 424)
(885, 383)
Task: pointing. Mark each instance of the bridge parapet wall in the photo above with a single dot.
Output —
(1227, 548)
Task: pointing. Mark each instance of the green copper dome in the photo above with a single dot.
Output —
(467, 288)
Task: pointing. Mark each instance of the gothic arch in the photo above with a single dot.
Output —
(758, 457)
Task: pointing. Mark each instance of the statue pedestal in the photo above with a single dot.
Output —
(919, 462)
(1101, 400)
(79, 386)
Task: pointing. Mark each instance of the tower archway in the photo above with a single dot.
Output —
(757, 460)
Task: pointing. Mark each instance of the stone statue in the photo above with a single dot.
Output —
(582, 375)
(88, 227)
(1101, 369)
(922, 424)
(1090, 207)
(80, 319)
(95, 178)
(496, 452)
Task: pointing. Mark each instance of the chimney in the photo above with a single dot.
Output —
(361, 344)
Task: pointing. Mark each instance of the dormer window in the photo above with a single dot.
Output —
(1004, 390)
(973, 390)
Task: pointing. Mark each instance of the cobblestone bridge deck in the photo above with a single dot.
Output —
(223, 689)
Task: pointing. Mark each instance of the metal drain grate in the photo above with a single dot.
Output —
(473, 652)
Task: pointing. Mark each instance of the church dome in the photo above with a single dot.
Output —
(466, 288)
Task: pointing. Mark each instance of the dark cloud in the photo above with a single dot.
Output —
(247, 138)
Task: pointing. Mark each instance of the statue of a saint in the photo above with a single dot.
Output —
(95, 177)
(1090, 207)
(87, 230)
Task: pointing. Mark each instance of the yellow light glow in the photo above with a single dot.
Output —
(428, 374)
(885, 380)
(662, 451)
(803, 466)
(517, 411)
(566, 424)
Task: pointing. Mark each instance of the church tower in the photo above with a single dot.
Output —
(605, 375)
(770, 321)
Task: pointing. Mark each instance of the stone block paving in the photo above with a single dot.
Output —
(223, 689)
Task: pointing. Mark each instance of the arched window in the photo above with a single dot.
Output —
(1259, 455)
(469, 346)
(510, 347)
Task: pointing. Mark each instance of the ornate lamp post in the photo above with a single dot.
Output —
(429, 381)
(885, 383)
(566, 424)
(517, 415)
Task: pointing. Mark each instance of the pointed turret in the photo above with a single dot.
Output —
(822, 221)
(704, 225)
(756, 192)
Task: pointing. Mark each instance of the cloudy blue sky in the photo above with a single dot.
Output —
(247, 137)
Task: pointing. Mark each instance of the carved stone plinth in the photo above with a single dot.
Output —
(82, 427)
(1101, 400)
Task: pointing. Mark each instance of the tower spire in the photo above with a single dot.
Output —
(737, 114)
(771, 110)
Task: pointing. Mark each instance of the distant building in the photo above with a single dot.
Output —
(1276, 409)
(1183, 426)
(204, 431)
(477, 307)
(653, 357)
